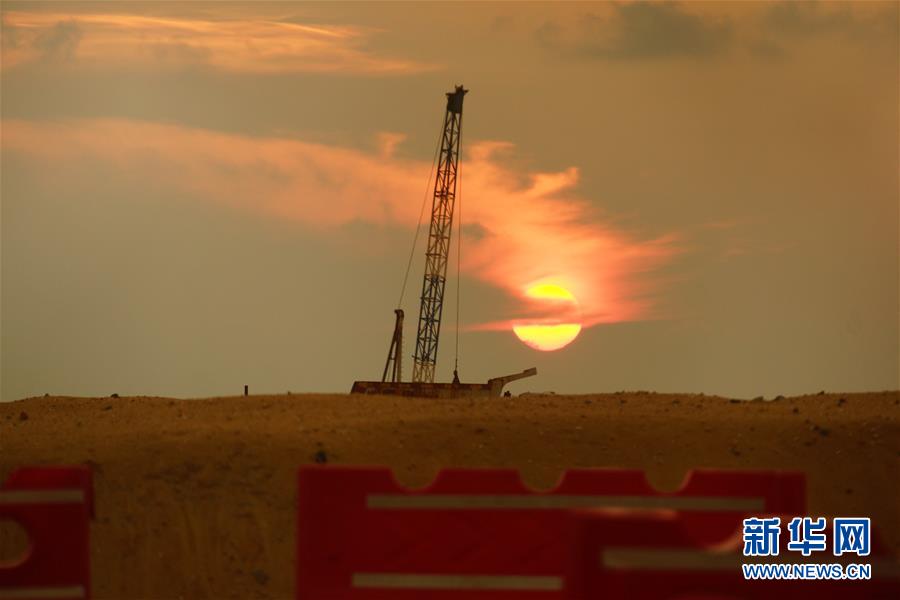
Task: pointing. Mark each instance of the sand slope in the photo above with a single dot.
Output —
(195, 498)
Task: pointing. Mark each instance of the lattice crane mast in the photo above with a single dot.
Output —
(438, 252)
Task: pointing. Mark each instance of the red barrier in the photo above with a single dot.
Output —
(54, 506)
(483, 534)
(666, 556)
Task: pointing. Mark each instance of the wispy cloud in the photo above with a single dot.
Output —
(239, 44)
(639, 30)
(865, 23)
(822, 18)
(652, 31)
(531, 227)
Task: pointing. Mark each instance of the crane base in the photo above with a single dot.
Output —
(492, 389)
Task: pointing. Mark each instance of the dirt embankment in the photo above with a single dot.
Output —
(195, 498)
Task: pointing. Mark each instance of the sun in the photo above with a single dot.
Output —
(557, 330)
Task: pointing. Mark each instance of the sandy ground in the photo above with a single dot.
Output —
(195, 498)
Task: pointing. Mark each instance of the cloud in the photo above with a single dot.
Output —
(388, 142)
(236, 45)
(815, 18)
(869, 23)
(59, 42)
(650, 31)
(520, 228)
(640, 30)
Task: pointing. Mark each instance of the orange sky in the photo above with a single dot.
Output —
(700, 176)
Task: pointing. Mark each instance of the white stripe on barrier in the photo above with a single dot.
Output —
(513, 501)
(66, 496)
(456, 582)
(44, 593)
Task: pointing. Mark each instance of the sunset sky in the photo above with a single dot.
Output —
(201, 196)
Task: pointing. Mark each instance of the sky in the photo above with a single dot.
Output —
(201, 196)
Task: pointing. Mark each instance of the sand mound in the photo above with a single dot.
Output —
(195, 498)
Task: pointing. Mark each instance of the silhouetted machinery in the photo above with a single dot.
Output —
(437, 255)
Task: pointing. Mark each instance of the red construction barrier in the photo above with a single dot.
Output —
(666, 556)
(54, 506)
(483, 534)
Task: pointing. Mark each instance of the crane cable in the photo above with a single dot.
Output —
(458, 247)
(412, 251)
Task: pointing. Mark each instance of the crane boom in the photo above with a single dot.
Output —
(438, 252)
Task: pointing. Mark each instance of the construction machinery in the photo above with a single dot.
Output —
(437, 256)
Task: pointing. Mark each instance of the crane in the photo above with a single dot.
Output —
(437, 256)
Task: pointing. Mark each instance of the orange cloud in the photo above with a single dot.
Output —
(533, 227)
(239, 44)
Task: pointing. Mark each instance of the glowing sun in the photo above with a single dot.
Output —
(556, 331)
